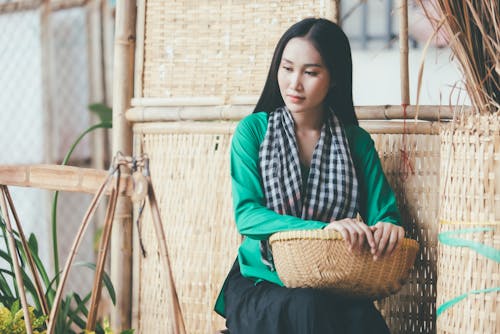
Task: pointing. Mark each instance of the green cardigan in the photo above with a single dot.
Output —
(256, 222)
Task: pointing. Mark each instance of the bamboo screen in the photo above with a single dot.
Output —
(190, 171)
(214, 48)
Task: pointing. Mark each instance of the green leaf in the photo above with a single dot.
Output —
(128, 331)
(105, 278)
(5, 290)
(33, 244)
(15, 307)
(104, 112)
(40, 267)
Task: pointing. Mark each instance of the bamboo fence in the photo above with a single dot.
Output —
(184, 121)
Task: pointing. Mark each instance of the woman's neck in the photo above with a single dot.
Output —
(309, 121)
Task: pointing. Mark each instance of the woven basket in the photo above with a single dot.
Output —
(322, 259)
(468, 279)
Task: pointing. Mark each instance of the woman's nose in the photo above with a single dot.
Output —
(295, 81)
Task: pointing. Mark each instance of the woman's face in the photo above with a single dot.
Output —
(303, 78)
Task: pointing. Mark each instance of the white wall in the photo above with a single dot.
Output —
(376, 77)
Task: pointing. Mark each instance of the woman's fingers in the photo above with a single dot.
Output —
(387, 237)
(393, 241)
(339, 227)
(354, 233)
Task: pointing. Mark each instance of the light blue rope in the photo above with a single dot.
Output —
(451, 302)
(446, 238)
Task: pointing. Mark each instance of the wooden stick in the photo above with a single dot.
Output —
(15, 263)
(372, 126)
(96, 78)
(103, 252)
(138, 94)
(61, 178)
(336, 12)
(76, 244)
(121, 239)
(403, 47)
(31, 263)
(236, 113)
(46, 69)
(179, 101)
(139, 51)
(178, 323)
(53, 177)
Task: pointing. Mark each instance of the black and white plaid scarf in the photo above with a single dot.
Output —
(331, 191)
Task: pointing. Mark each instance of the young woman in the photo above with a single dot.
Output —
(301, 161)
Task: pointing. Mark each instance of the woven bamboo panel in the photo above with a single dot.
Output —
(470, 209)
(215, 47)
(190, 172)
(189, 163)
(415, 183)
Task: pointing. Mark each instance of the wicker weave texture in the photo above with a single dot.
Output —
(322, 259)
(415, 181)
(214, 47)
(190, 172)
(470, 209)
(470, 184)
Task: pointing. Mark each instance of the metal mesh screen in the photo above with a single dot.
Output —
(44, 94)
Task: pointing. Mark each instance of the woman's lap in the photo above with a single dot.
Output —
(269, 308)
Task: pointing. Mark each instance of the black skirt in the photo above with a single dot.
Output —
(269, 308)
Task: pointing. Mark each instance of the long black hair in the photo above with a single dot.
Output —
(333, 46)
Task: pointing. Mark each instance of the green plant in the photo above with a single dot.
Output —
(12, 320)
(73, 311)
(105, 116)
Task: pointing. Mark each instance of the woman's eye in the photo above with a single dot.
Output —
(311, 73)
(287, 68)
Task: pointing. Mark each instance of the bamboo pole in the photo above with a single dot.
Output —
(108, 25)
(121, 239)
(15, 262)
(52, 177)
(31, 262)
(237, 112)
(403, 47)
(179, 101)
(372, 126)
(138, 93)
(72, 253)
(139, 52)
(96, 76)
(101, 259)
(178, 324)
(336, 12)
(46, 61)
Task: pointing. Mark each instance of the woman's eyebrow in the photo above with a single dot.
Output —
(305, 65)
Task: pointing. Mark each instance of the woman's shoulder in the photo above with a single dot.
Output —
(258, 119)
(357, 134)
(252, 127)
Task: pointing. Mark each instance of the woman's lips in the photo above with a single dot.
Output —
(295, 98)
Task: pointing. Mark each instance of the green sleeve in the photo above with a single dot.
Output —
(253, 218)
(377, 200)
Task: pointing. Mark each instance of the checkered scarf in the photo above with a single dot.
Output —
(331, 191)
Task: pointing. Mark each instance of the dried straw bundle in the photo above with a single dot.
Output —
(473, 28)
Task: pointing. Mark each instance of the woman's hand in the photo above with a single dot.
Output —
(355, 233)
(387, 238)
